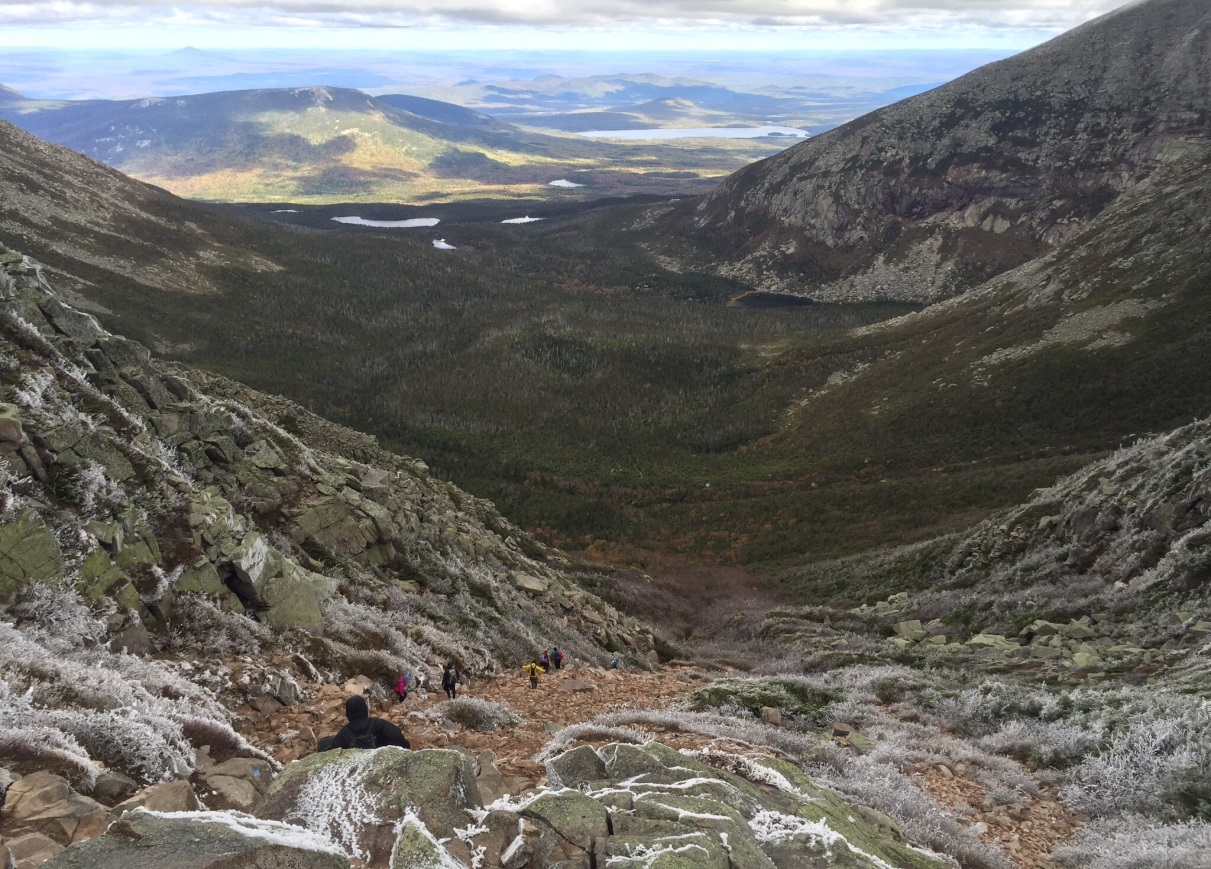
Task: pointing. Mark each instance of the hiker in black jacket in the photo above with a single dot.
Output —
(362, 731)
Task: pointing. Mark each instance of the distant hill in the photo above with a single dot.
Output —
(937, 193)
(437, 110)
(335, 144)
(7, 94)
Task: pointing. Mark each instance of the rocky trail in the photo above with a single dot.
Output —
(573, 694)
(1026, 830)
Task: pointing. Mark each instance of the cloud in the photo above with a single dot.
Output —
(1039, 15)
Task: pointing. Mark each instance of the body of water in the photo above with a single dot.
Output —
(765, 299)
(699, 133)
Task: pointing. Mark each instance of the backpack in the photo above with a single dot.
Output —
(558, 657)
(365, 740)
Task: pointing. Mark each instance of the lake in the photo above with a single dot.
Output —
(699, 133)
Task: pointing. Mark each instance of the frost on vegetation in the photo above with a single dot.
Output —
(1136, 842)
(588, 730)
(776, 827)
(334, 802)
(164, 581)
(876, 782)
(746, 768)
(475, 714)
(129, 713)
(202, 626)
(33, 394)
(97, 490)
(1142, 765)
(645, 856)
(272, 832)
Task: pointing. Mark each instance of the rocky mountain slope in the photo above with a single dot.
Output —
(936, 194)
(188, 511)
(174, 546)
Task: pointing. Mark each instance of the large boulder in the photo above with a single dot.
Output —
(201, 840)
(46, 804)
(654, 807)
(28, 551)
(358, 797)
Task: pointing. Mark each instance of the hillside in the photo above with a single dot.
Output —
(328, 144)
(942, 191)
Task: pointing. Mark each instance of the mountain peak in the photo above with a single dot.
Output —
(937, 193)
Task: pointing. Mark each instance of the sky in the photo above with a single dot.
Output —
(633, 25)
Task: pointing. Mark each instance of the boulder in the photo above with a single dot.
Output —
(528, 583)
(578, 686)
(577, 819)
(32, 849)
(10, 425)
(416, 848)
(911, 630)
(201, 840)
(577, 767)
(173, 796)
(329, 788)
(770, 715)
(28, 551)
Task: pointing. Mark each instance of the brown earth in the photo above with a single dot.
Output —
(1026, 831)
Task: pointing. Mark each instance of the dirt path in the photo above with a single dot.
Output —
(1027, 831)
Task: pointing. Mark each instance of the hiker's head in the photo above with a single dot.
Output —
(356, 708)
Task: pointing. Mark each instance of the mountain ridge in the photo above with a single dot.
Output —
(934, 194)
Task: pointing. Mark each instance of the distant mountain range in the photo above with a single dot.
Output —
(938, 193)
(333, 144)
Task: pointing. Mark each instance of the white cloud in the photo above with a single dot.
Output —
(1038, 15)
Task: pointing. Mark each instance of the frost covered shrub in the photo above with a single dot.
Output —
(796, 696)
(589, 731)
(1043, 743)
(1136, 842)
(200, 625)
(373, 635)
(475, 714)
(871, 780)
(1144, 766)
(89, 703)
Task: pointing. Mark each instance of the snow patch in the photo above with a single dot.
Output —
(396, 224)
(563, 182)
(442, 244)
(526, 219)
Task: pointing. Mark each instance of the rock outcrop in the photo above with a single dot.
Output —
(201, 840)
(936, 194)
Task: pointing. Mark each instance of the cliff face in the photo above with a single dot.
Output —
(942, 191)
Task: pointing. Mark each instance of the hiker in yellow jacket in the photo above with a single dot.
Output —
(534, 668)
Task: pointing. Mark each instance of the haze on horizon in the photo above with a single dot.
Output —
(562, 25)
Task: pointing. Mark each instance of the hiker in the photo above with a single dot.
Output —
(362, 731)
(615, 662)
(534, 669)
(402, 685)
(450, 680)
(557, 658)
(544, 660)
